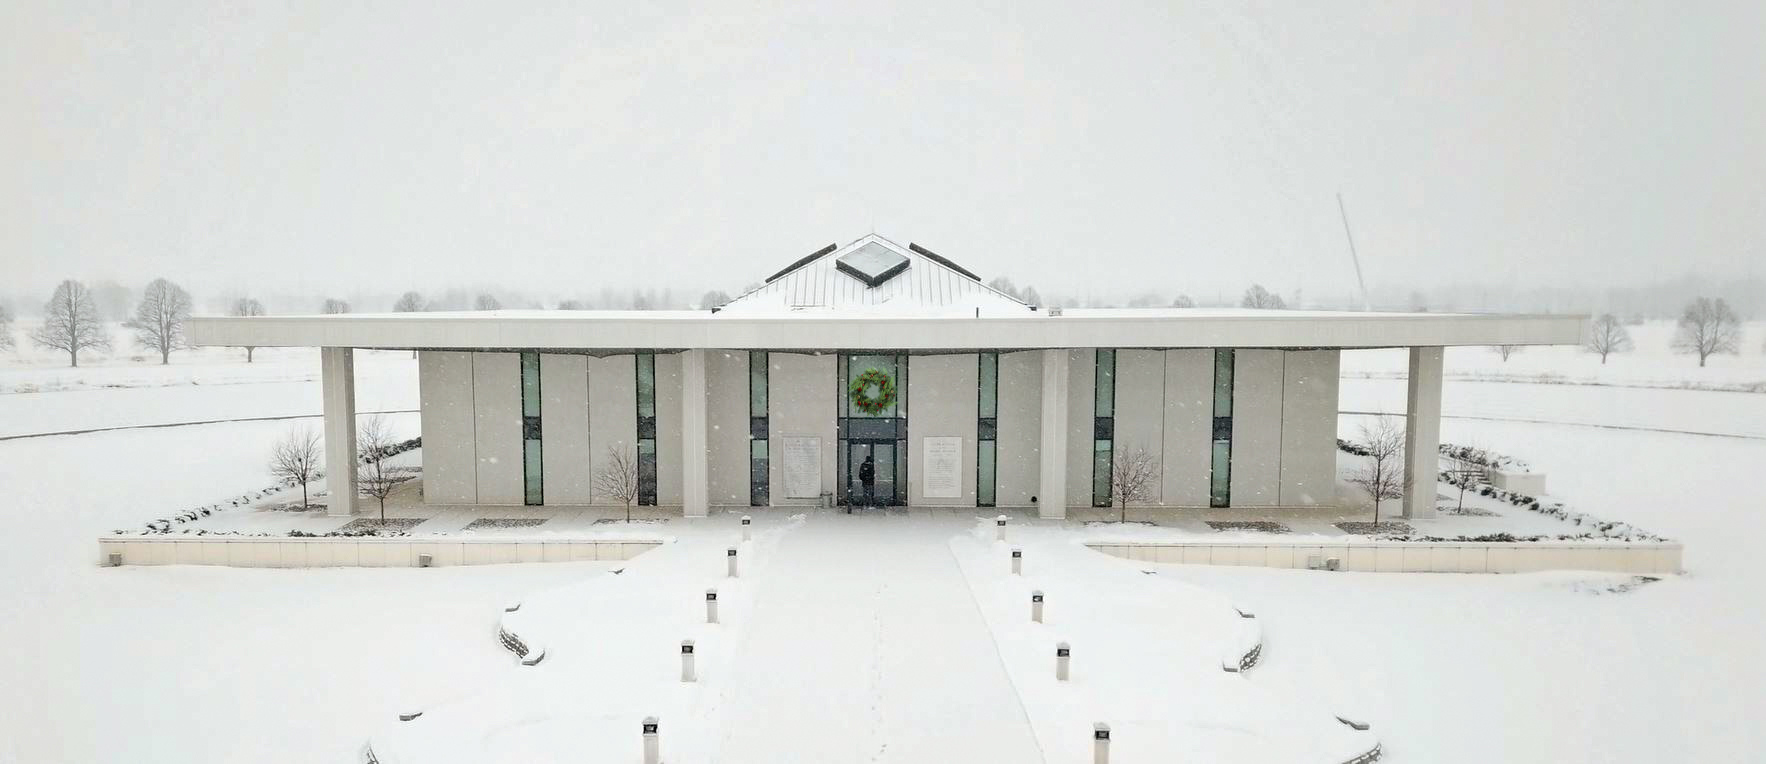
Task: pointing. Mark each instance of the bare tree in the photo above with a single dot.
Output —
(572, 305)
(295, 459)
(618, 477)
(1504, 351)
(1608, 335)
(410, 302)
(334, 306)
(1708, 327)
(70, 323)
(486, 301)
(1183, 301)
(5, 328)
(247, 306)
(1383, 475)
(1258, 297)
(159, 318)
(1132, 475)
(713, 298)
(374, 477)
(1031, 297)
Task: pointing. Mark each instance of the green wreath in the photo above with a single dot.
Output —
(885, 392)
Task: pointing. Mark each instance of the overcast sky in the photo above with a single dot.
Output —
(1078, 147)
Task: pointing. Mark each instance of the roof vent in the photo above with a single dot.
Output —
(872, 263)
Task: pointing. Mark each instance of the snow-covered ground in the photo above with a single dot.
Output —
(206, 664)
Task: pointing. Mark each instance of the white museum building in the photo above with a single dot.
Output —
(875, 374)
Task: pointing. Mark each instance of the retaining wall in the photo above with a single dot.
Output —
(363, 552)
(1650, 558)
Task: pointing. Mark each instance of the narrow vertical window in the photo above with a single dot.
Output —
(987, 431)
(759, 493)
(532, 465)
(1221, 458)
(1103, 427)
(646, 363)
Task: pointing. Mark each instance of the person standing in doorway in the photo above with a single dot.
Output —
(867, 477)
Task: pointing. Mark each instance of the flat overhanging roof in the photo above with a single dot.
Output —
(812, 329)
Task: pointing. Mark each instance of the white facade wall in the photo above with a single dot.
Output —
(1018, 474)
(1188, 427)
(450, 447)
(1081, 409)
(564, 429)
(613, 399)
(496, 396)
(726, 423)
(1257, 428)
(943, 400)
(668, 428)
(1140, 407)
(1284, 430)
(1309, 427)
(802, 389)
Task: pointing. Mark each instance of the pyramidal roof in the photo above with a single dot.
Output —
(875, 275)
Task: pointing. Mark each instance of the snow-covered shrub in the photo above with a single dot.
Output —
(164, 524)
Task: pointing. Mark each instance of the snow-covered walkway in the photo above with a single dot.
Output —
(866, 645)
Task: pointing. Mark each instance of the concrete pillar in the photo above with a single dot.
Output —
(1422, 432)
(695, 474)
(1052, 494)
(337, 374)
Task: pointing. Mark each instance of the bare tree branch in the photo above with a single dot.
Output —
(159, 318)
(70, 323)
(618, 477)
(1708, 327)
(1383, 476)
(374, 477)
(246, 306)
(295, 459)
(1608, 335)
(1258, 297)
(1132, 475)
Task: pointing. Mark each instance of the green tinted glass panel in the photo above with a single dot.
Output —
(646, 384)
(530, 384)
(1100, 473)
(985, 474)
(989, 384)
(1220, 475)
(757, 383)
(532, 472)
(1106, 383)
(1223, 382)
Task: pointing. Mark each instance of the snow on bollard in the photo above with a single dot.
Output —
(746, 521)
(711, 606)
(1017, 562)
(687, 672)
(730, 556)
(1100, 743)
(1063, 653)
(999, 528)
(652, 747)
(1036, 606)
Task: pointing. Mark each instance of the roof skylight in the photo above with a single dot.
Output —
(872, 263)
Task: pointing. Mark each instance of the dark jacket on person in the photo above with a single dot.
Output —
(867, 472)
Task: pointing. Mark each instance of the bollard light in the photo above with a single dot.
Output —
(1063, 653)
(730, 556)
(999, 528)
(687, 672)
(746, 521)
(1017, 562)
(652, 747)
(711, 606)
(1036, 606)
(1100, 743)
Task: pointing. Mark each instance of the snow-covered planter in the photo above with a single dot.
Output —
(165, 524)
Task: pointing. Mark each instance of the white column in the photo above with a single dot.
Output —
(1052, 496)
(694, 471)
(338, 381)
(1422, 432)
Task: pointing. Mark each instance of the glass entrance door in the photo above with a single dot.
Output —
(882, 490)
